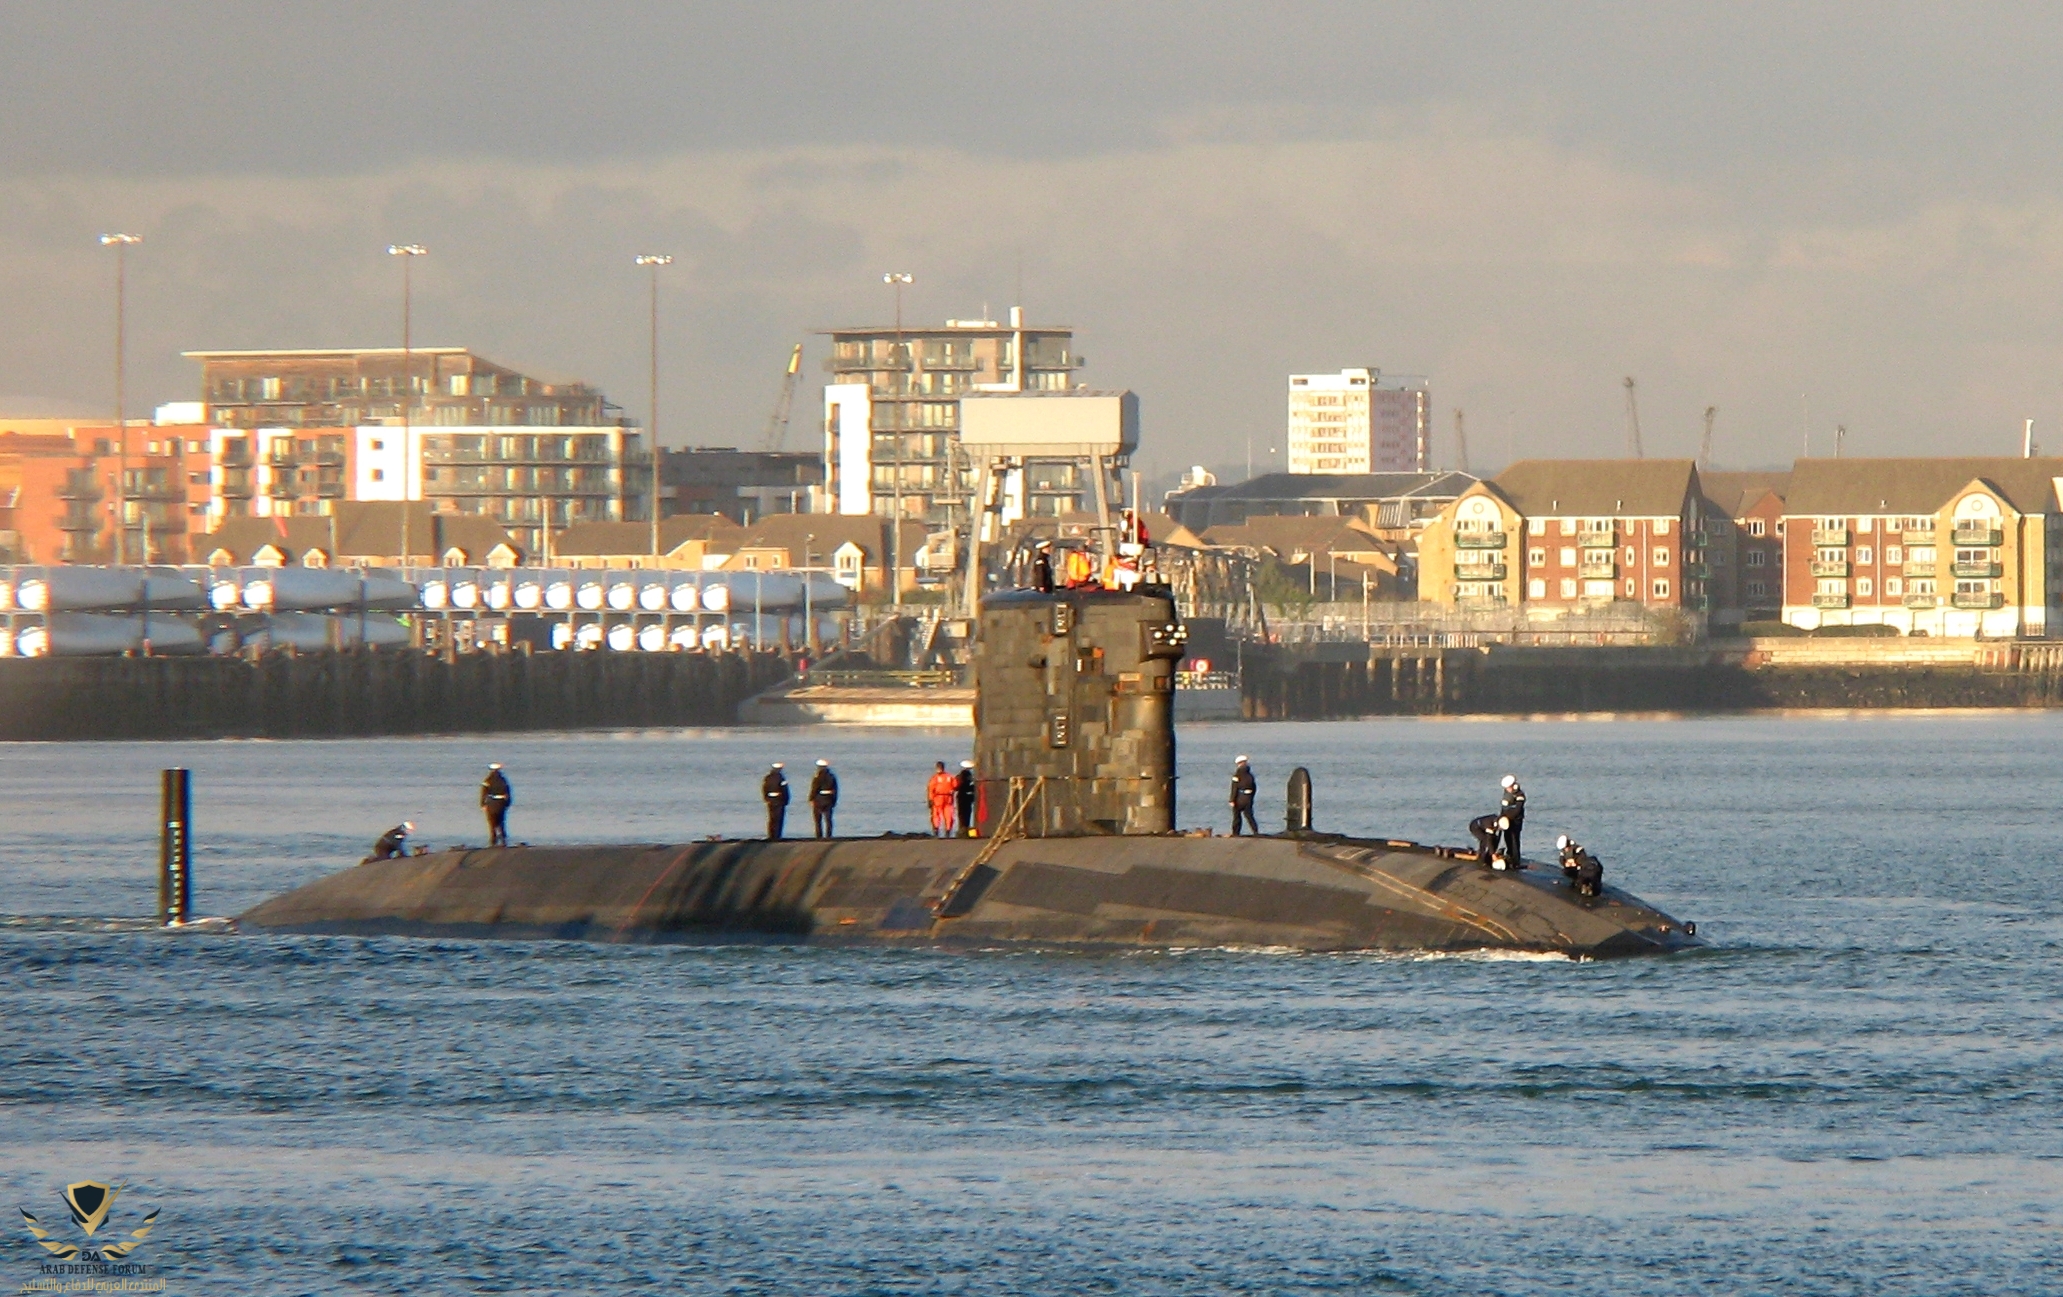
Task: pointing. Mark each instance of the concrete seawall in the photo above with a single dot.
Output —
(326, 695)
(1323, 681)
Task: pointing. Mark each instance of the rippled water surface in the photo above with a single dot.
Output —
(1854, 1090)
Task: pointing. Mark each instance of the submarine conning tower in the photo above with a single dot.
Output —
(1075, 712)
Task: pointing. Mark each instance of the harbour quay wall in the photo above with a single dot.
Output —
(1327, 681)
(354, 693)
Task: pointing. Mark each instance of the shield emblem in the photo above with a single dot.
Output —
(89, 1203)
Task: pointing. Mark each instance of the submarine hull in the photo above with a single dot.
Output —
(1308, 892)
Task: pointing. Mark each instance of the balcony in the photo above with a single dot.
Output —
(1481, 602)
(1597, 540)
(1830, 567)
(1479, 571)
(1969, 599)
(1830, 535)
(1696, 568)
(1979, 536)
(1479, 540)
(87, 491)
(157, 491)
(1918, 537)
(1986, 570)
(1919, 569)
(1606, 570)
(1830, 601)
(1922, 601)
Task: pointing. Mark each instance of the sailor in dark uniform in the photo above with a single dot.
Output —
(964, 797)
(823, 798)
(495, 798)
(1512, 811)
(774, 791)
(1585, 872)
(1242, 798)
(393, 842)
(1042, 567)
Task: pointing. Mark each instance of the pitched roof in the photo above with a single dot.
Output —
(603, 539)
(1918, 486)
(1327, 534)
(362, 529)
(1334, 486)
(1598, 488)
(793, 532)
(1735, 492)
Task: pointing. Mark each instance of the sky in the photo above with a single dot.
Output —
(1806, 215)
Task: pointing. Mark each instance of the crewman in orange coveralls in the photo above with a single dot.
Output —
(940, 791)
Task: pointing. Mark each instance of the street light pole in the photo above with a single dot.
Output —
(408, 252)
(654, 261)
(809, 615)
(898, 279)
(121, 244)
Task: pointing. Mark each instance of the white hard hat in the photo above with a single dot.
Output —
(966, 765)
(408, 825)
(822, 762)
(779, 766)
(1239, 760)
(494, 765)
(1511, 781)
(1562, 843)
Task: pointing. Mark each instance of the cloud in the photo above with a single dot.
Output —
(1525, 274)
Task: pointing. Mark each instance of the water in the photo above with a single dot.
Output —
(1853, 1091)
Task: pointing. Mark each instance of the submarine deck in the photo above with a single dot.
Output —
(1315, 892)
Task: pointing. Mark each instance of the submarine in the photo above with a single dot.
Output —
(1076, 846)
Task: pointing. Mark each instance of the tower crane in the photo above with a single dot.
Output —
(784, 405)
(1705, 443)
(1633, 423)
(1460, 441)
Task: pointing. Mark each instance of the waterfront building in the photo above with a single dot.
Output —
(860, 552)
(360, 533)
(1751, 576)
(1556, 536)
(65, 482)
(688, 541)
(294, 432)
(742, 485)
(1394, 505)
(1357, 421)
(1952, 546)
(892, 418)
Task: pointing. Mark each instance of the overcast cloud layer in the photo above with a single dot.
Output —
(1850, 210)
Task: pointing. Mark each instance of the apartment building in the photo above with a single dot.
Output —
(346, 387)
(1555, 536)
(68, 488)
(892, 417)
(1356, 421)
(1748, 574)
(1956, 546)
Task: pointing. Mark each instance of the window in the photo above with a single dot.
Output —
(1831, 585)
(1757, 558)
(1973, 556)
(1536, 589)
(1756, 589)
(1536, 526)
(379, 475)
(1536, 558)
(1661, 558)
(1568, 526)
(1920, 554)
(1598, 589)
(377, 444)
(1833, 554)
(1568, 556)
(1780, 526)
(1632, 556)
(1661, 526)
(1920, 587)
(1894, 555)
(1894, 586)
(1632, 588)
(1865, 524)
(1864, 555)
(1661, 589)
(1754, 526)
(1863, 587)
(1568, 588)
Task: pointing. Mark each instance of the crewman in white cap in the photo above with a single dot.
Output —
(393, 842)
(774, 791)
(495, 798)
(1511, 814)
(1242, 799)
(823, 798)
